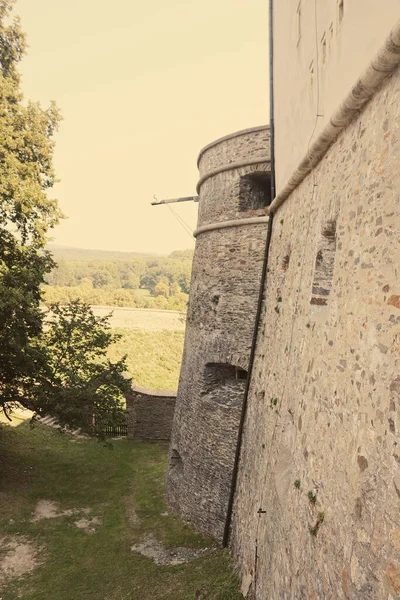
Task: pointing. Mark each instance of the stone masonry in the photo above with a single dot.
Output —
(233, 187)
(150, 414)
(321, 446)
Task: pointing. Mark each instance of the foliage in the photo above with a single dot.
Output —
(26, 213)
(63, 370)
(21, 268)
(312, 497)
(124, 488)
(119, 282)
(132, 274)
(77, 383)
(161, 289)
(153, 357)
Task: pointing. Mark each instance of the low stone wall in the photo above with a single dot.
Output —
(150, 413)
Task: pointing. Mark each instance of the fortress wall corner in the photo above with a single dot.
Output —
(324, 404)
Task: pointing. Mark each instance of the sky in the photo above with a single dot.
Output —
(142, 87)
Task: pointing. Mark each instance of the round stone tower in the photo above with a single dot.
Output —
(234, 191)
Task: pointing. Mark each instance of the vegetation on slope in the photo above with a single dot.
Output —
(153, 357)
(118, 282)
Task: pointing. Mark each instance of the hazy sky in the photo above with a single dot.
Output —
(142, 87)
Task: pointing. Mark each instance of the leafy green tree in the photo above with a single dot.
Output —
(131, 282)
(26, 213)
(21, 271)
(76, 383)
(61, 370)
(174, 288)
(150, 278)
(161, 289)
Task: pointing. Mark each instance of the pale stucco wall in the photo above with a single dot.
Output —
(350, 45)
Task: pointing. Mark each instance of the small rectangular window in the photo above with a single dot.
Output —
(340, 11)
(298, 22)
(254, 191)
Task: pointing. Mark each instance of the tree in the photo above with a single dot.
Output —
(21, 272)
(161, 289)
(75, 382)
(174, 288)
(131, 282)
(60, 369)
(26, 213)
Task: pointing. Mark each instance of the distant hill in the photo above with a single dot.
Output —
(71, 253)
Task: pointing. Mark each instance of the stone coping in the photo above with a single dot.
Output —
(231, 167)
(233, 223)
(154, 393)
(229, 136)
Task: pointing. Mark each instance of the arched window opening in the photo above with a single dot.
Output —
(224, 384)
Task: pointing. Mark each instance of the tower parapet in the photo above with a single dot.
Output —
(234, 192)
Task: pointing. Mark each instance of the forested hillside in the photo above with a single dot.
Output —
(120, 279)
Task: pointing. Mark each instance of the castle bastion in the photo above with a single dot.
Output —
(234, 192)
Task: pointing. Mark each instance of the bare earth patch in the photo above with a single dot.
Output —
(47, 509)
(152, 548)
(18, 556)
(89, 525)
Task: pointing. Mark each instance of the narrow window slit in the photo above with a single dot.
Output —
(324, 265)
(175, 461)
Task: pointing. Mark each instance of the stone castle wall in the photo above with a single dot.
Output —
(224, 291)
(324, 403)
(150, 414)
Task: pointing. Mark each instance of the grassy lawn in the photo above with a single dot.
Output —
(121, 489)
(153, 357)
(143, 292)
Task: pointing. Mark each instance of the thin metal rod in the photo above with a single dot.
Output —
(174, 200)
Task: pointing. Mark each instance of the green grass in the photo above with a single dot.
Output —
(44, 464)
(153, 357)
(143, 292)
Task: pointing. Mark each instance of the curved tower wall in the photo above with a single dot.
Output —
(233, 190)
